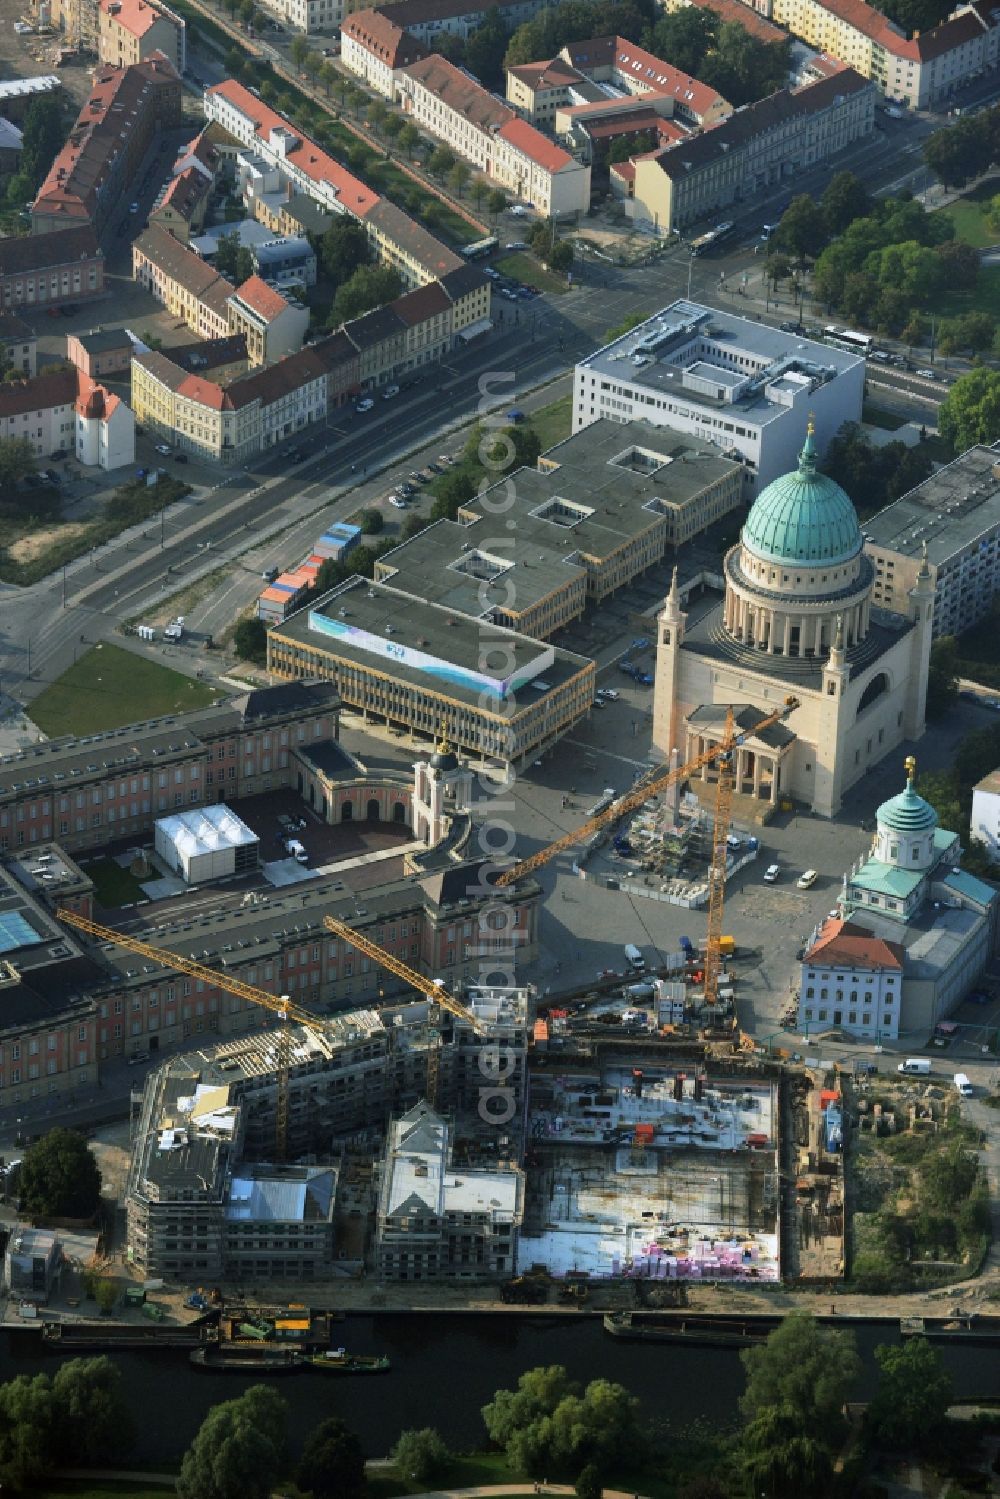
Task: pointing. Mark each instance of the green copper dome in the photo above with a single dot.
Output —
(907, 812)
(803, 517)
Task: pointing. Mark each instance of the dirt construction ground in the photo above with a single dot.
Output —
(29, 56)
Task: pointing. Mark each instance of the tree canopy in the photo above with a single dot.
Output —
(970, 412)
(369, 286)
(94, 1424)
(804, 1369)
(547, 1423)
(874, 476)
(59, 1177)
(332, 1465)
(913, 1395)
(576, 21)
(722, 54)
(782, 1460)
(42, 137)
(239, 1450)
(233, 259)
(420, 1455)
(250, 640)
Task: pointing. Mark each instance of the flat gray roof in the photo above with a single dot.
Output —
(380, 628)
(673, 466)
(949, 511)
(680, 340)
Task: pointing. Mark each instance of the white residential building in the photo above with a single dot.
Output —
(491, 136)
(852, 980)
(105, 427)
(952, 519)
(717, 376)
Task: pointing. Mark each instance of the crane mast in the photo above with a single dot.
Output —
(722, 755)
(430, 988)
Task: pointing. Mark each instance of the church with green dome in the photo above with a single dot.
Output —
(798, 616)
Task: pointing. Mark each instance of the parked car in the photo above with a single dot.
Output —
(516, 244)
(137, 1058)
(927, 374)
(180, 458)
(164, 448)
(806, 880)
(446, 459)
(270, 573)
(133, 208)
(51, 475)
(389, 392)
(396, 502)
(364, 405)
(491, 273)
(610, 693)
(771, 874)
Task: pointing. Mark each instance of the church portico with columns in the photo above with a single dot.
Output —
(797, 616)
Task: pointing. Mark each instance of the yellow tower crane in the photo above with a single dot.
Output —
(432, 989)
(722, 755)
(278, 1005)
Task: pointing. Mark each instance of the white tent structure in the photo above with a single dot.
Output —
(209, 843)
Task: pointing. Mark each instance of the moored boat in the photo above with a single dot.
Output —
(339, 1361)
(247, 1358)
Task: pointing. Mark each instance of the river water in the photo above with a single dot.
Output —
(445, 1368)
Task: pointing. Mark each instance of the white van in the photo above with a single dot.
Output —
(297, 851)
(963, 1085)
(919, 1065)
(634, 958)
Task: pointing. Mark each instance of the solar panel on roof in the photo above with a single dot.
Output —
(15, 931)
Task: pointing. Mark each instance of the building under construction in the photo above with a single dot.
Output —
(204, 1180)
(658, 1172)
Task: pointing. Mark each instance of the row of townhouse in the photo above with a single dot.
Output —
(448, 102)
(96, 170)
(66, 411)
(191, 288)
(445, 100)
(920, 71)
(761, 146)
(429, 17)
(232, 421)
(302, 166)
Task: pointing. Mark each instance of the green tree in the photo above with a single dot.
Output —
(742, 67)
(246, 13)
(802, 231)
(59, 1177)
(19, 190)
(914, 332)
(367, 287)
(970, 412)
(451, 492)
(42, 140)
(393, 127)
(961, 264)
(959, 151)
(376, 114)
(485, 48)
(686, 36)
(913, 1396)
(547, 1422)
(459, 176)
(299, 49)
(420, 1455)
(496, 203)
(239, 1450)
(372, 522)
(93, 1423)
(313, 64)
(479, 192)
(250, 640)
(27, 1431)
(972, 331)
(844, 199)
(17, 461)
(343, 248)
(782, 1458)
(105, 1294)
(588, 1484)
(809, 1369)
(442, 159)
(332, 1465)
(560, 257)
(409, 136)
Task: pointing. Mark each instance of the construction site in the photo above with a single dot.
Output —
(658, 1172)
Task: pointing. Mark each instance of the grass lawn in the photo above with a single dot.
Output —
(969, 217)
(114, 886)
(553, 422)
(109, 687)
(985, 298)
(525, 268)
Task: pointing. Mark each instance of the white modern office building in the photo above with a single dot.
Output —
(717, 376)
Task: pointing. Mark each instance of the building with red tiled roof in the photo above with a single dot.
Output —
(273, 326)
(129, 31)
(183, 205)
(94, 174)
(919, 70)
(66, 409)
(604, 78)
(489, 134)
(208, 412)
(374, 47)
(735, 12)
